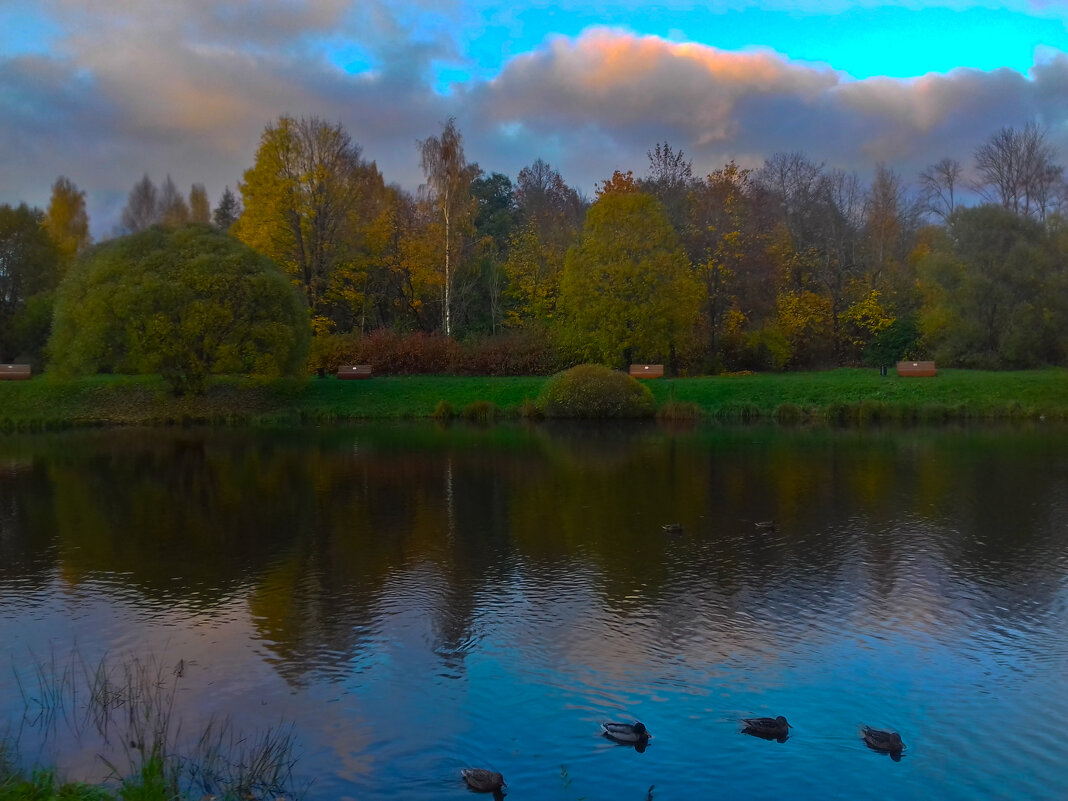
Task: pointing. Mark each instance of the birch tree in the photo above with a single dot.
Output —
(448, 192)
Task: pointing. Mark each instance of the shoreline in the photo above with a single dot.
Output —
(850, 396)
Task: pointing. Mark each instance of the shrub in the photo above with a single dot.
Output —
(592, 391)
(184, 302)
(788, 414)
(390, 353)
(481, 411)
(443, 411)
(528, 410)
(679, 412)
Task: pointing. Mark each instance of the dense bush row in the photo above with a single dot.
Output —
(525, 352)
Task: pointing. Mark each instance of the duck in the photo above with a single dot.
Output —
(767, 727)
(671, 528)
(628, 733)
(766, 525)
(482, 780)
(887, 741)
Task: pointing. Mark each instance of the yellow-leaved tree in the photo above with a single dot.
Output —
(308, 201)
(627, 292)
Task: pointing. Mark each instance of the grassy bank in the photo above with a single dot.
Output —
(845, 395)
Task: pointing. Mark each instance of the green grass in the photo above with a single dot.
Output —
(845, 396)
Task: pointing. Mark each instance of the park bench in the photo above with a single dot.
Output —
(647, 370)
(354, 371)
(916, 369)
(14, 372)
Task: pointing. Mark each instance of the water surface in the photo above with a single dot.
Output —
(415, 600)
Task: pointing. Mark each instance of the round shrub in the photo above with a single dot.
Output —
(183, 302)
(592, 391)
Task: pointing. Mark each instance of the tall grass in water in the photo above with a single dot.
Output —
(126, 710)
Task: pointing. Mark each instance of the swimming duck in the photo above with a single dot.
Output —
(886, 741)
(766, 525)
(628, 733)
(672, 528)
(767, 727)
(483, 781)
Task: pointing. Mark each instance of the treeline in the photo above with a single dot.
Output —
(793, 265)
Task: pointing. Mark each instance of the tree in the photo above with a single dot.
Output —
(494, 222)
(670, 180)
(227, 212)
(994, 292)
(620, 182)
(184, 302)
(142, 207)
(550, 216)
(626, 290)
(307, 200)
(67, 221)
(172, 208)
(719, 241)
(448, 191)
(938, 184)
(199, 207)
(1016, 169)
(29, 272)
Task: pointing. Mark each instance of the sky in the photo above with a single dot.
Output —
(106, 91)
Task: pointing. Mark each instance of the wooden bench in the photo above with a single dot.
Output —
(647, 370)
(14, 372)
(916, 369)
(354, 371)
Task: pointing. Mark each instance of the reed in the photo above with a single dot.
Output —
(128, 709)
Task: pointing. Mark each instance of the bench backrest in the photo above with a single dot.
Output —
(916, 369)
(354, 371)
(14, 372)
(647, 370)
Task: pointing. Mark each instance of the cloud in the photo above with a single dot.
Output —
(187, 88)
(618, 94)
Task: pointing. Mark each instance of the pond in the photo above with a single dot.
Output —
(413, 600)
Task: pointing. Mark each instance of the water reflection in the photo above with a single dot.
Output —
(419, 590)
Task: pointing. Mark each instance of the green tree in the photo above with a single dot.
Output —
(67, 221)
(994, 294)
(29, 272)
(494, 222)
(227, 212)
(627, 292)
(550, 215)
(184, 302)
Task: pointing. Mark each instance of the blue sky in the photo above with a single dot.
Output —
(103, 91)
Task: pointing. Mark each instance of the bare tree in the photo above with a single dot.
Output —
(142, 207)
(890, 218)
(1016, 169)
(938, 187)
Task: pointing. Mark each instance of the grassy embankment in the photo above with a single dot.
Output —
(844, 395)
